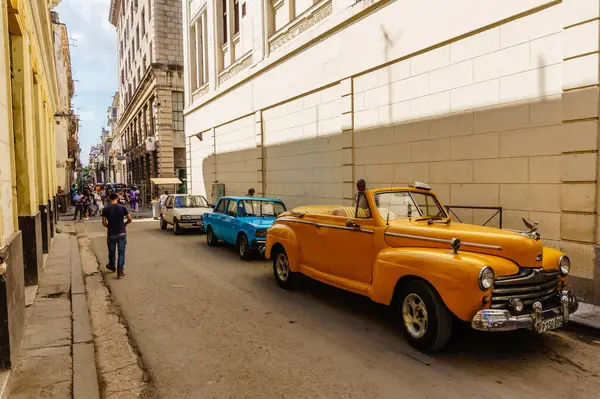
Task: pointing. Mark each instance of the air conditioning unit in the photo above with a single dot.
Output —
(218, 191)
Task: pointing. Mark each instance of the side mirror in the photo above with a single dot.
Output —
(350, 223)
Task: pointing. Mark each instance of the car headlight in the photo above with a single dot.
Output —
(186, 217)
(564, 265)
(486, 278)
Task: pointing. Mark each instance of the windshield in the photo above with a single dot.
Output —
(191, 201)
(405, 204)
(260, 208)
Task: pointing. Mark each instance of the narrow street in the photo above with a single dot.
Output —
(209, 325)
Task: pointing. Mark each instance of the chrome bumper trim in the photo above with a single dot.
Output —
(503, 320)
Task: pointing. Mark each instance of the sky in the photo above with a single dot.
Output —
(94, 64)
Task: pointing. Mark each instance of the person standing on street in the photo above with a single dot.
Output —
(250, 193)
(78, 201)
(115, 218)
(133, 199)
(163, 198)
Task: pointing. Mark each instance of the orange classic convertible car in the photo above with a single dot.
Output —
(399, 247)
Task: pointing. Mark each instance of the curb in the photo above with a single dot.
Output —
(582, 321)
(120, 371)
(85, 374)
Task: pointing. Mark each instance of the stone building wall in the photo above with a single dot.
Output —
(150, 70)
(492, 103)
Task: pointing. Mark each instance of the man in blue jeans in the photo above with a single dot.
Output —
(115, 217)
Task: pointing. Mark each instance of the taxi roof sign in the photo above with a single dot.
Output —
(421, 185)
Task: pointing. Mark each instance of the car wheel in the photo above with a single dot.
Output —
(244, 248)
(163, 224)
(425, 319)
(177, 230)
(211, 238)
(286, 278)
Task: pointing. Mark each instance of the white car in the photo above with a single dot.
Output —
(184, 211)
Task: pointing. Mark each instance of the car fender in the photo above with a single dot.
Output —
(282, 234)
(454, 276)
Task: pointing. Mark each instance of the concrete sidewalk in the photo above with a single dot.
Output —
(57, 357)
(587, 316)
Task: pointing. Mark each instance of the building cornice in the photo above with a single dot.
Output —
(113, 13)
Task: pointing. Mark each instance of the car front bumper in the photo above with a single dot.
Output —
(192, 224)
(503, 320)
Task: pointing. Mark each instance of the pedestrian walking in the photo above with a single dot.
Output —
(86, 202)
(115, 217)
(133, 199)
(163, 198)
(78, 201)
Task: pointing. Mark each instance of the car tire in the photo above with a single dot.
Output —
(424, 318)
(211, 238)
(243, 248)
(285, 278)
(163, 224)
(177, 230)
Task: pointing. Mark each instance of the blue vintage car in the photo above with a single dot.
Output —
(242, 221)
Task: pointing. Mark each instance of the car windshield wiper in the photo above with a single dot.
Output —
(434, 219)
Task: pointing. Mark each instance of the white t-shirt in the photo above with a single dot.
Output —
(163, 199)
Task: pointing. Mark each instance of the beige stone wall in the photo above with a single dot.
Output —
(499, 109)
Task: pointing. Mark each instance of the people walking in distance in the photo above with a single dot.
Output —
(86, 202)
(72, 194)
(163, 198)
(78, 201)
(133, 199)
(250, 192)
(115, 217)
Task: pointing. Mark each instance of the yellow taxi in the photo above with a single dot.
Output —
(399, 247)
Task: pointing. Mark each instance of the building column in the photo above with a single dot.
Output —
(164, 132)
(23, 128)
(580, 237)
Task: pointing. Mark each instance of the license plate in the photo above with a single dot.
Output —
(551, 324)
(197, 224)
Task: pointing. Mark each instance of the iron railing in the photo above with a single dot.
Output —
(498, 212)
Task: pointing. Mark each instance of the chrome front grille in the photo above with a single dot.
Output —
(530, 285)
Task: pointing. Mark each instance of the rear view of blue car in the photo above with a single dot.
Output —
(243, 222)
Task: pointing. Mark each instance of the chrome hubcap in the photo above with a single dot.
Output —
(283, 267)
(414, 315)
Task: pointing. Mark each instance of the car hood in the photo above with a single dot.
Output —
(193, 211)
(259, 222)
(522, 250)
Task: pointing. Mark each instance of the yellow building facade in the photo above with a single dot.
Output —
(29, 99)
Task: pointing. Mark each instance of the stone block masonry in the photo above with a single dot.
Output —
(498, 108)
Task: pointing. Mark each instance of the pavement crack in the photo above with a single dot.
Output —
(120, 368)
(560, 359)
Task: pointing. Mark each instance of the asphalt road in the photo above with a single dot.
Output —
(209, 325)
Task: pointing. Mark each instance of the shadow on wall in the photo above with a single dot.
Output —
(505, 156)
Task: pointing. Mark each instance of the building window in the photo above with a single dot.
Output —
(198, 52)
(143, 22)
(225, 21)
(137, 37)
(243, 9)
(236, 16)
(177, 98)
(149, 10)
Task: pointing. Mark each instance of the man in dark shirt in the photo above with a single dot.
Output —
(113, 216)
